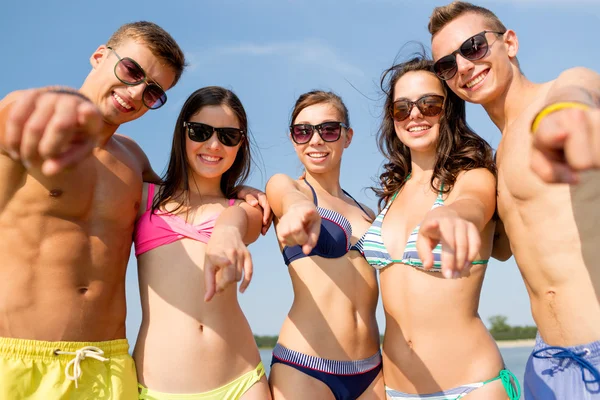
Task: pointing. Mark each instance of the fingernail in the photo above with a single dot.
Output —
(26, 164)
(447, 274)
(455, 275)
(467, 264)
(14, 155)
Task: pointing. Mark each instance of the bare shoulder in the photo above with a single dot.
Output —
(477, 176)
(584, 79)
(578, 74)
(281, 183)
(477, 183)
(281, 180)
(129, 144)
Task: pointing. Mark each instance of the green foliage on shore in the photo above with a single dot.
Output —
(500, 330)
(265, 342)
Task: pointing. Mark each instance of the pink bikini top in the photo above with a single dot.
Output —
(164, 227)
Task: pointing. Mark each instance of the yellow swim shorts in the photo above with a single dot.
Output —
(231, 391)
(38, 370)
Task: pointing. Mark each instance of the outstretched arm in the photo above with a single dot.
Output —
(567, 130)
(255, 197)
(458, 224)
(299, 222)
(227, 256)
(49, 128)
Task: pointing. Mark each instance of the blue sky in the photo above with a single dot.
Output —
(269, 52)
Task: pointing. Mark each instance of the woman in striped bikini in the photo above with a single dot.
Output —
(329, 344)
(439, 183)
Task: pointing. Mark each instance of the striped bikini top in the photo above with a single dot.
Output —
(334, 237)
(373, 249)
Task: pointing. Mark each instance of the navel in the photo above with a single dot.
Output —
(55, 193)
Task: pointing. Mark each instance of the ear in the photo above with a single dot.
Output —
(512, 43)
(349, 134)
(101, 53)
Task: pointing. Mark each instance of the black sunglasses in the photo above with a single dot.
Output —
(429, 105)
(474, 48)
(199, 132)
(329, 131)
(131, 73)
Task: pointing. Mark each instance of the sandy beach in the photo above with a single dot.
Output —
(516, 343)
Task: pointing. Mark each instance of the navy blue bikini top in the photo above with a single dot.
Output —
(334, 238)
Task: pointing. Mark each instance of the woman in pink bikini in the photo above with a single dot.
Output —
(194, 344)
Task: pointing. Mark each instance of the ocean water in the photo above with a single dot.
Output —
(515, 359)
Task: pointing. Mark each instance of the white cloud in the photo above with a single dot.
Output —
(307, 52)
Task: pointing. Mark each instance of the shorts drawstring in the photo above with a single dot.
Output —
(80, 355)
(562, 353)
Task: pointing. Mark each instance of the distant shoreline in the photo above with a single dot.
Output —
(516, 343)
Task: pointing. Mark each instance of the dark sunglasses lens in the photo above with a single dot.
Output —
(401, 110)
(154, 96)
(302, 133)
(445, 67)
(474, 48)
(430, 106)
(129, 72)
(199, 132)
(230, 136)
(330, 131)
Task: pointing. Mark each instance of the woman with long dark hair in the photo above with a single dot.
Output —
(438, 192)
(194, 344)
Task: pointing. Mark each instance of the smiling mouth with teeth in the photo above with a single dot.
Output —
(317, 155)
(418, 128)
(121, 101)
(476, 80)
(210, 158)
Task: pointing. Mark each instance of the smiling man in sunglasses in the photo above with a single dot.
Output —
(67, 218)
(552, 228)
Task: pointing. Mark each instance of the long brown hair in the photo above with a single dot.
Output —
(458, 148)
(176, 180)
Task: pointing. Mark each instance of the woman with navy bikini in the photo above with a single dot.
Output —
(438, 186)
(329, 344)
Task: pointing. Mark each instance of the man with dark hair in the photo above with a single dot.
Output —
(70, 188)
(552, 229)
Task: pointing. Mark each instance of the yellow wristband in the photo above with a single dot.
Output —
(549, 109)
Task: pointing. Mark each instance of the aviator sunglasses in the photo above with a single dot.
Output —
(132, 74)
(429, 105)
(474, 48)
(329, 131)
(199, 132)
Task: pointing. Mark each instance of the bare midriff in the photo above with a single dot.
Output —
(434, 339)
(187, 345)
(333, 313)
(65, 243)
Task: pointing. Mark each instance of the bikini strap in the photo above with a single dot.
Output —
(314, 193)
(390, 201)
(441, 192)
(231, 202)
(150, 198)
(357, 203)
